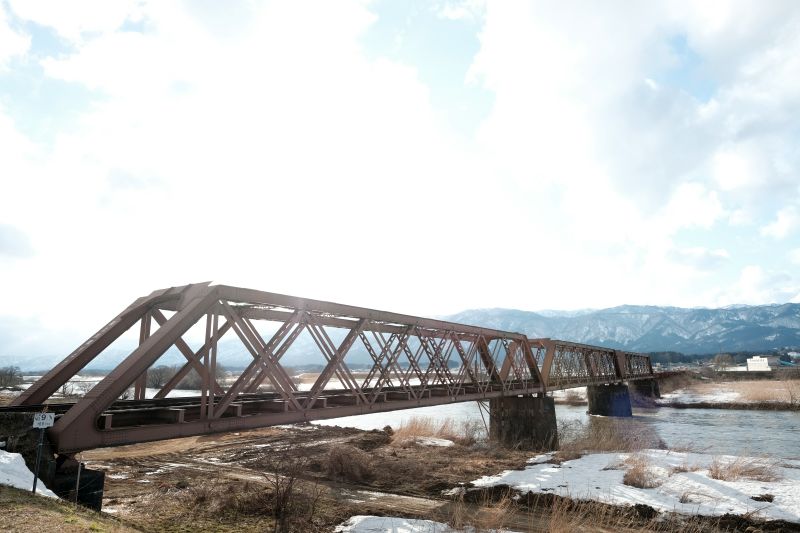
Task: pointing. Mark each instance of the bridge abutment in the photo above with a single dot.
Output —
(524, 422)
(609, 400)
(646, 387)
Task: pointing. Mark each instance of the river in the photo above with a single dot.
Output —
(774, 434)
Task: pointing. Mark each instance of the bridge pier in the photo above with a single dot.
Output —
(524, 422)
(613, 399)
(646, 387)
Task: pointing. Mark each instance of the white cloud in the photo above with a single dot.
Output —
(270, 149)
(757, 285)
(461, 9)
(786, 220)
(12, 42)
(75, 18)
(702, 258)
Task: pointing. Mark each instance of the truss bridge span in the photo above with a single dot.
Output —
(411, 362)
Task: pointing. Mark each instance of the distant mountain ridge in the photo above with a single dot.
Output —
(632, 327)
(645, 328)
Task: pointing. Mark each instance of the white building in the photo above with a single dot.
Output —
(762, 363)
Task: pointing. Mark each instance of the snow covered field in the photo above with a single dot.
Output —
(787, 391)
(15, 473)
(391, 524)
(700, 396)
(684, 483)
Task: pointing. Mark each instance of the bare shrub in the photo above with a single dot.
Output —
(743, 468)
(639, 473)
(67, 390)
(470, 432)
(792, 387)
(282, 476)
(349, 463)
(217, 498)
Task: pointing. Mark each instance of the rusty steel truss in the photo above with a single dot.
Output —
(414, 362)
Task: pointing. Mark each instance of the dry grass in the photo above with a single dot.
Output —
(568, 516)
(21, 511)
(605, 435)
(769, 391)
(743, 468)
(466, 433)
(760, 391)
(685, 467)
(639, 473)
(349, 463)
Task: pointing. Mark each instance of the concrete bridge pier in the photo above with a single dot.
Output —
(612, 399)
(647, 388)
(524, 422)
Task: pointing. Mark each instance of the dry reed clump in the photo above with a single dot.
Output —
(639, 473)
(218, 498)
(743, 468)
(349, 463)
(604, 435)
(466, 433)
(787, 391)
(685, 467)
(492, 513)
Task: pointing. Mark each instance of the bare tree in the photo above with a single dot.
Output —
(723, 360)
(67, 390)
(193, 381)
(158, 376)
(10, 376)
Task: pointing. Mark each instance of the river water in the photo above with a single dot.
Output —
(773, 434)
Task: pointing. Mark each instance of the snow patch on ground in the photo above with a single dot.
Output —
(433, 441)
(599, 477)
(393, 524)
(576, 392)
(539, 459)
(15, 473)
(693, 396)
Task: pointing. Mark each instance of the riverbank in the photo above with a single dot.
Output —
(686, 483)
(316, 478)
(770, 395)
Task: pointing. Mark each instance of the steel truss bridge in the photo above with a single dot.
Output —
(415, 362)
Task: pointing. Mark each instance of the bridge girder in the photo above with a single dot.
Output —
(414, 362)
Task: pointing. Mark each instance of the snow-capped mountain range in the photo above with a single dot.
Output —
(631, 327)
(652, 328)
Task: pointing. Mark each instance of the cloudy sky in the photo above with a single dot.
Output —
(421, 157)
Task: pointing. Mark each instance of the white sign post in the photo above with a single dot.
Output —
(41, 421)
